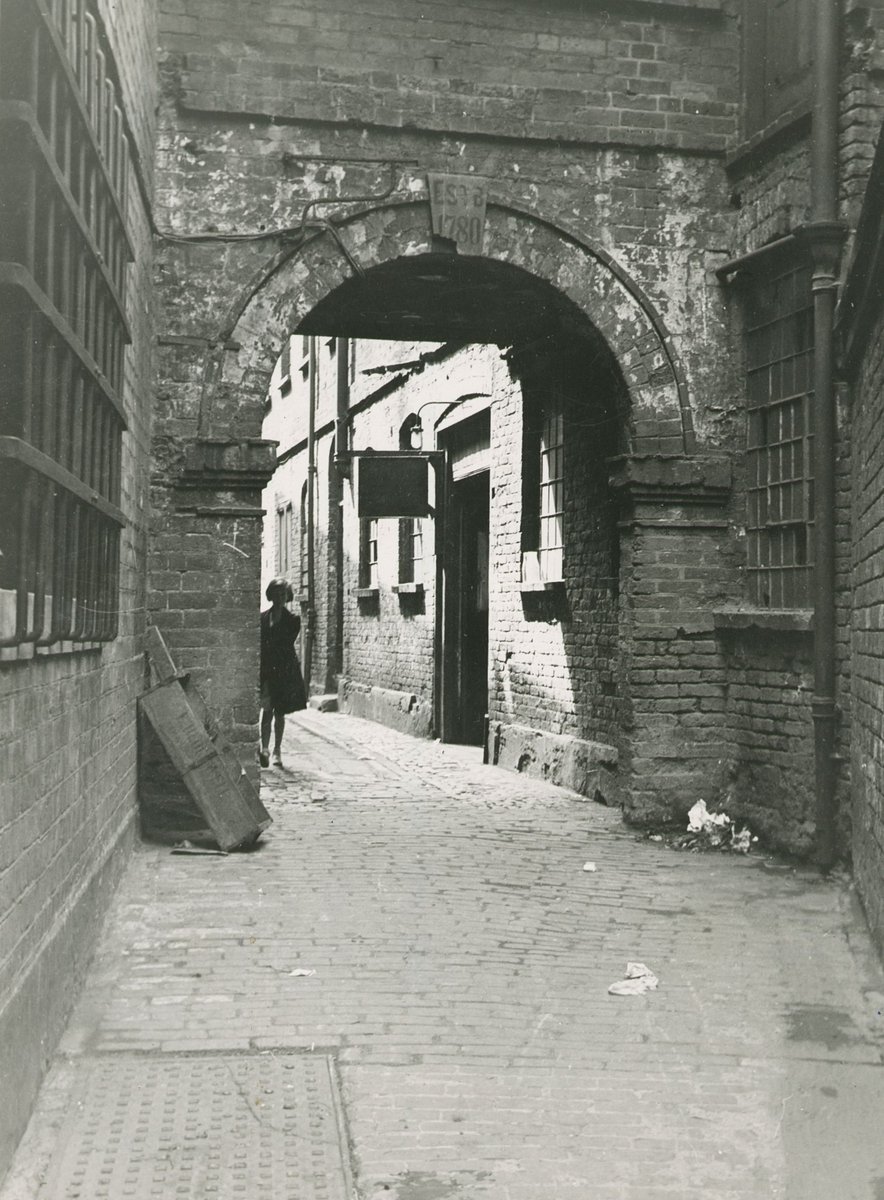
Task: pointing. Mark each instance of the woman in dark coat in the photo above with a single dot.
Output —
(282, 685)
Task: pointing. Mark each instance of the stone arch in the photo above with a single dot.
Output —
(285, 293)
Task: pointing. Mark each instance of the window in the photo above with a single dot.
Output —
(411, 550)
(411, 533)
(303, 540)
(64, 250)
(552, 492)
(779, 356)
(543, 496)
(777, 61)
(368, 553)
(285, 367)
(284, 531)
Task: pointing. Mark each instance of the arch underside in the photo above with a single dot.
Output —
(532, 283)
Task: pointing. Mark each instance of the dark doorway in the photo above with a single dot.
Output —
(466, 640)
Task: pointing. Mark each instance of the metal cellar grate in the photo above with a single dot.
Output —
(219, 1127)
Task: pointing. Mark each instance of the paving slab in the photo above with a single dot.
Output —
(426, 924)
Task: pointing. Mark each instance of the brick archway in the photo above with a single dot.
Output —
(586, 278)
(210, 462)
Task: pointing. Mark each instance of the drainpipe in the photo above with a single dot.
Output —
(825, 236)
(311, 518)
(342, 463)
(342, 418)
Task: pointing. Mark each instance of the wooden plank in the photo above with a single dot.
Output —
(165, 670)
(203, 770)
(160, 658)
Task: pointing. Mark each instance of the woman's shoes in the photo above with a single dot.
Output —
(277, 758)
(263, 758)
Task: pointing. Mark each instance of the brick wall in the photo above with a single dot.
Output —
(67, 721)
(867, 758)
(769, 669)
(862, 327)
(258, 119)
(661, 74)
(554, 654)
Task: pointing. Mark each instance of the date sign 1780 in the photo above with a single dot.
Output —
(457, 208)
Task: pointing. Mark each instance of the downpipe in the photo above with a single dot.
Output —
(825, 236)
(310, 630)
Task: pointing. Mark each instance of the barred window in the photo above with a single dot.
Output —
(411, 531)
(284, 531)
(63, 255)
(368, 553)
(411, 550)
(779, 353)
(543, 481)
(303, 532)
(552, 490)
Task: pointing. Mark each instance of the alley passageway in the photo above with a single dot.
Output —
(402, 994)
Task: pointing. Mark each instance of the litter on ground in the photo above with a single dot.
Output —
(714, 830)
(639, 979)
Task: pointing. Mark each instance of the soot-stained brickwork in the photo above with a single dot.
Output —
(68, 718)
(862, 324)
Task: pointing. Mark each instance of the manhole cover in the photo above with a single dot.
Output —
(219, 1127)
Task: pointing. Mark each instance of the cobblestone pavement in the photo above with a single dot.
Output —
(426, 923)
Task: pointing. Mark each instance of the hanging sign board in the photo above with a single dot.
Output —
(457, 209)
(395, 484)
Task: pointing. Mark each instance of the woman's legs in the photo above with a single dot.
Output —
(278, 730)
(266, 721)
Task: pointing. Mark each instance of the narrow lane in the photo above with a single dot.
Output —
(426, 922)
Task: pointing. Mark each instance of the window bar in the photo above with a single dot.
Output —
(64, 408)
(112, 576)
(35, 553)
(98, 120)
(90, 606)
(52, 105)
(43, 621)
(69, 558)
(49, 264)
(46, 398)
(80, 574)
(57, 624)
(78, 402)
(87, 81)
(102, 602)
(82, 51)
(21, 590)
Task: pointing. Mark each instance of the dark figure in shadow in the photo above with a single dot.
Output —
(282, 685)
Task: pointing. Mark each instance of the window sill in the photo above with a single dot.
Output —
(408, 589)
(366, 593)
(537, 586)
(778, 620)
(28, 652)
(790, 125)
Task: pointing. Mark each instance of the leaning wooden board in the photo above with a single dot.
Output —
(165, 670)
(203, 758)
